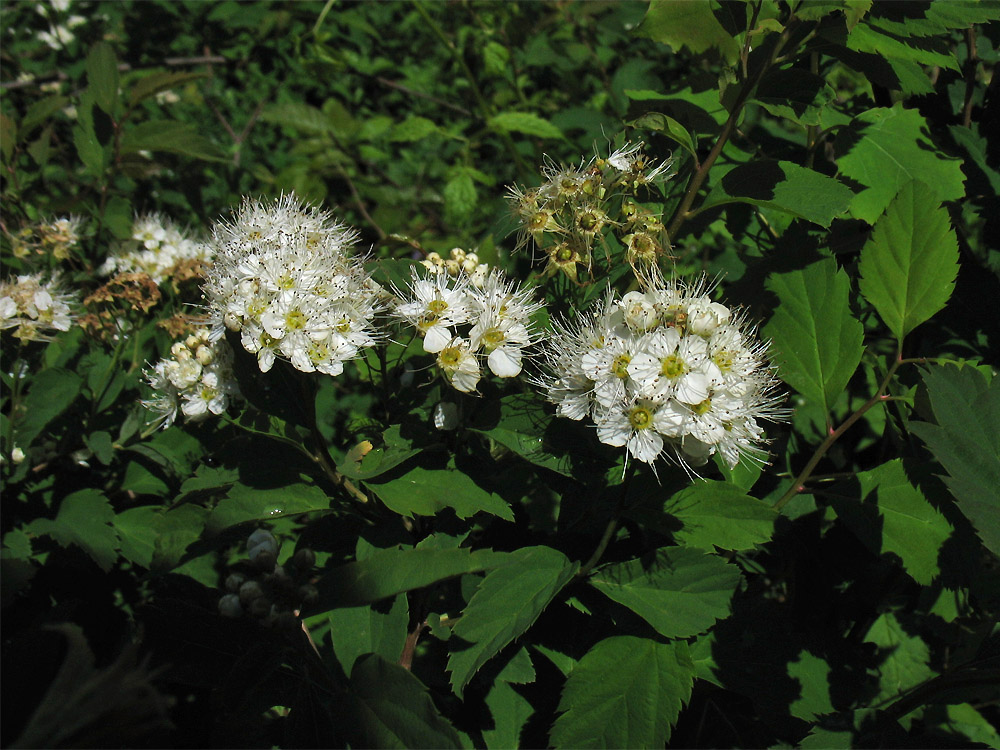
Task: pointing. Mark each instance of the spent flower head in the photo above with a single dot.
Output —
(283, 279)
(665, 371)
(36, 308)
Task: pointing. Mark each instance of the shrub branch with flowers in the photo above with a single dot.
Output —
(329, 420)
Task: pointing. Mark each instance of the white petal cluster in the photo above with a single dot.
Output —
(458, 262)
(283, 279)
(35, 308)
(158, 248)
(664, 368)
(196, 379)
(463, 324)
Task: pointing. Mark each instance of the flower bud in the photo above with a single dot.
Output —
(234, 581)
(229, 606)
(204, 355)
(260, 607)
(262, 558)
(304, 559)
(249, 591)
(231, 322)
(262, 538)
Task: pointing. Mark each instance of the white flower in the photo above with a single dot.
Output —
(459, 365)
(35, 308)
(158, 248)
(434, 306)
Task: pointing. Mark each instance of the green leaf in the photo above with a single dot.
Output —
(118, 216)
(783, 186)
(154, 83)
(680, 591)
(369, 629)
(8, 136)
(89, 149)
(909, 264)
(794, 94)
(378, 460)
(243, 504)
(52, 392)
(102, 76)
(625, 692)
(892, 515)
(966, 442)
(666, 125)
(817, 342)
(886, 148)
(720, 514)
(389, 707)
(459, 197)
(84, 519)
(413, 128)
(39, 112)
(967, 725)
(521, 428)
(137, 532)
(507, 602)
(170, 136)
(510, 711)
(390, 572)
(524, 122)
(866, 38)
(176, 530)
(813, 676)
(100, 443)
(903, 658)
(425, 492)
(688, 24)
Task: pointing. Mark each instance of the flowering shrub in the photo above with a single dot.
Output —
(499, 374)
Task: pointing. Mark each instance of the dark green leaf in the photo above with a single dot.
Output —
(688, 24)
(170, 136)
(413, 128)
(102, 76)
(966, 442)
(720, 514)
(680, 591)
(39, 112)
(154, 83)
(84, 520)
(795, 94)
(903, 658)
(89, 149)
(390, 708)
(100, 443)
(369, 629)
(818, 343)
(507, 602)
(524, 122)
(424, 492)
(510, 711)
(866, 38)
(137, 532)
(8, 136)
(668, 126)
(118, 216)
(909, 265)
(459, 197)
(783, 186)
(624, 692)
(243, 504)
(52, 392)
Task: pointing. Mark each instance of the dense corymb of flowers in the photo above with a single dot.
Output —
(664, 368)
(55, 238)
(35, 308)
(283, 279)
(463, 324)
(160, 249)
(570, 213)
(196, 380)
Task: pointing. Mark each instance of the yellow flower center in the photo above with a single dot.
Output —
(450, 356)
(723, 360)
(703, 407)
(640, 418)
(673, 367)
(437, 306)
(493, 338)
(619, 366)
(295, 320)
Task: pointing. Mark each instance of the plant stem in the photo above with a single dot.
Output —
(798, 485)
(609, 530)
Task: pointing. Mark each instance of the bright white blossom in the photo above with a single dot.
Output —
(196, 380)
(665, 371)
(442, 307)
(158, 248)
(35, 308)
(284, 280)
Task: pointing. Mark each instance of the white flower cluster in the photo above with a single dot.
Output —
(499, 314)
(158, 248)
(196, 380)
(665, 368)
(59, 35)
(458, 262)
(35, 308)
(283, 279)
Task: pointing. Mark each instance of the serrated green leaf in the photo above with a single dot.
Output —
(521, 428)
(425, 492)
(413, 128)
(137, 533)
(298, 115)
(460, 197)
(52, 392)
(866, 38)
(625, 692)
(100, 443)
(89, 149)
(39, 112)
(892, 515)
(690, 24)
(243, 504)
(817, 342)
(813, 676)
(118, 216)
(884, 148)
(903, 658)
(909, 264)
(966, 442)
(783, 186)
(510, 712)
(680, 591)
(507, 602)
(524, 122)
(170, 136)
(720, 514)
(154, 83)
(102, 76)
(84, 520)
(794, 94)
(967, 725)
(176, 530)
(369, 629)
(390, 572)
(389, 707)
(666, 125)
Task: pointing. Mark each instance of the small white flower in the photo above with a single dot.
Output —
(35, 308)
(459, 365)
